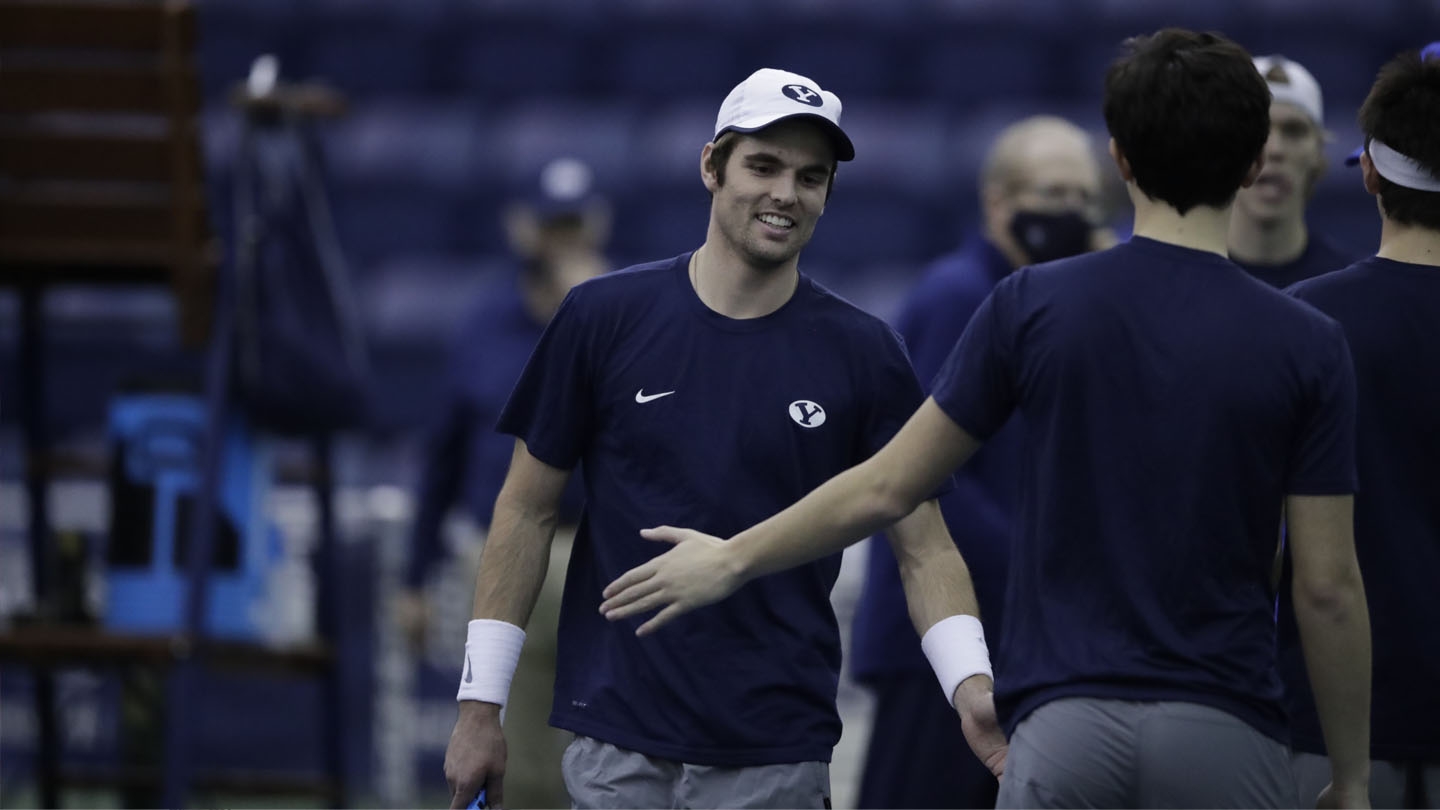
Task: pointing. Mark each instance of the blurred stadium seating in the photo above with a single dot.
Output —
(456, 102)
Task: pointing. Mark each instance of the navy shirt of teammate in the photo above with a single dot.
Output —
(1143, 562)
(1389, 310)
(685, 417)
(1321, 256)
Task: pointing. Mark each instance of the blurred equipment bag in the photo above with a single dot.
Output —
(301, 360)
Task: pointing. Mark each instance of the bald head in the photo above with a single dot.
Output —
(1040, 177)
(1039, 144)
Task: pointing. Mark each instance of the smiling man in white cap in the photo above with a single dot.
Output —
(708, 389)
(1268, 234)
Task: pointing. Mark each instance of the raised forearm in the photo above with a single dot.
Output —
(860, 501)
(847, 508)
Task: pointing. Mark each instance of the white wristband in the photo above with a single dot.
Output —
(956, 648)
(492, 651)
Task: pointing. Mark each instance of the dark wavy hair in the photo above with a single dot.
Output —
(1403, 111)
(1190, 113)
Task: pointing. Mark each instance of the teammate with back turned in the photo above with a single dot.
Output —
(1174, 406)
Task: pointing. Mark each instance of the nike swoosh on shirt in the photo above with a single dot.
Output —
(642, 398)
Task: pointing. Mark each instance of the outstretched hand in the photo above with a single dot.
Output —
(696, 572)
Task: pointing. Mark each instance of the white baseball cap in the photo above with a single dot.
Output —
(771, 95)
(1291, 83)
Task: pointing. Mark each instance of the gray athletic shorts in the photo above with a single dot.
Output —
(600, 775)
(1088, 752)
(1392, 783)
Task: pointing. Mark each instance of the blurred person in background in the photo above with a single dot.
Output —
(557, 232)
(1173, 409)
(1268, 233)
(1039, 193)
(1389, 306)
(710, 388)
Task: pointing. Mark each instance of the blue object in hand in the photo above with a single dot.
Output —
(477, 803)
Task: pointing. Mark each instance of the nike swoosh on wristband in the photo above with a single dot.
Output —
(469, 675)
(642, 398)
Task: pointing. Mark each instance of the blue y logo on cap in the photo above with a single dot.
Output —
(802, 94)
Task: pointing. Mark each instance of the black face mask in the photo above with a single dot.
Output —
(1047, 237)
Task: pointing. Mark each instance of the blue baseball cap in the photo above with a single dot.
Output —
(1431, 51)
(564, 187)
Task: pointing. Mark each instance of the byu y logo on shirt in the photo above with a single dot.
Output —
(807, 414)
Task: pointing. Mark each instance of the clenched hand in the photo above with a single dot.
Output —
(475, 757)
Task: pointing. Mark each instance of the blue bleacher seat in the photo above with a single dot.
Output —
(575, 11)
(1345, 15)
(1054, 14)
(521, 58)
(698, 13)
(422, 299)
(1129, 17)
(430, 144)
(531, 134)
(668, 141)
(848, 60)
(670, 62)
(977, 62)
(897, 146)
(377, 223)
(375, 50)
(860, 15)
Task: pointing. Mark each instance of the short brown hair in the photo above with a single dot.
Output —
(725, 147)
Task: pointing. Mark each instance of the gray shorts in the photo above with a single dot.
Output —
(1392, 783)
(1088, 752)
(600, 775)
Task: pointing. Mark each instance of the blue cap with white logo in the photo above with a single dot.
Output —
(564, 187)
(771, 95)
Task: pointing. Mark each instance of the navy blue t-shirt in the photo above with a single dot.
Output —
(1171, 402)
(684, 417)
(1319, 257)
(1389, 311)
(979, 511)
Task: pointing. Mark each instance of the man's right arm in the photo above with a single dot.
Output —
(517, 550)
(1334, 622)
(512, 572)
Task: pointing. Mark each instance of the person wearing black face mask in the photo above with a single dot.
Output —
(1039, 189)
